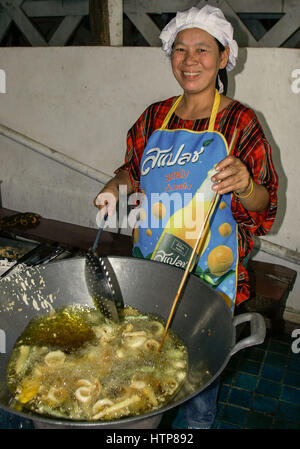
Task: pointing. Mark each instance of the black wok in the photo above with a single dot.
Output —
(202, 320)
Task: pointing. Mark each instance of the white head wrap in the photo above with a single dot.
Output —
(209, 19)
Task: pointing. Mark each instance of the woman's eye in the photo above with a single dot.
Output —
(201, 50)
(179, 49)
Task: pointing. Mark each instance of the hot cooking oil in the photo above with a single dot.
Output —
(76, 364)
(67, 329)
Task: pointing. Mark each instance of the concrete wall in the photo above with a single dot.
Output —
(81, 102)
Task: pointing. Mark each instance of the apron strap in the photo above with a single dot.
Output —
(213, 116)
(174, 106)
(214, 112)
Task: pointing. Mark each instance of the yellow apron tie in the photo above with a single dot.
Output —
(213, 116)
(174, 106)
(214, 112)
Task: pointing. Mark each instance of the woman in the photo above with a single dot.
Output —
(180, 145)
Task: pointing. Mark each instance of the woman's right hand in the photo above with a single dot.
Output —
(107, 198)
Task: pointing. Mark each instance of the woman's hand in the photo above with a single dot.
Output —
(233, 176)
(107, 198)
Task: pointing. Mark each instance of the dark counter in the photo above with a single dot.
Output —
(70, 236)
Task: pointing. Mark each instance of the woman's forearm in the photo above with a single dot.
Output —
(255, 198)
(121, 178)
(109, 195)
(233, 176)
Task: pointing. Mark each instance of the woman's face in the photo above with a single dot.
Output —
(196, 60)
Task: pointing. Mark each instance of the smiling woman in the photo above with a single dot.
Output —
(191, 134)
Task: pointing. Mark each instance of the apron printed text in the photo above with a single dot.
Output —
(161, 158)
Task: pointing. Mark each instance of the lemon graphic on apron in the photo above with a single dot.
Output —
(225, 229)
(159, 210)
(220, 260)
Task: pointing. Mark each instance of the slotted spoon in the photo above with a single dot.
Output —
(101, 281)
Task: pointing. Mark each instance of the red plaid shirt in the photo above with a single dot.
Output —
(251, 147)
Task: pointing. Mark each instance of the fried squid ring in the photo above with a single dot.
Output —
(151, 345)
(55, 359)
(135, 339)
(118, 407)
(169, 385)
(99, 405)
(56, 396)
(157, 328)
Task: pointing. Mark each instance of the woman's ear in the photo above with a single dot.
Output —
(224, 58)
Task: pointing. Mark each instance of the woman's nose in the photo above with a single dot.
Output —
(190, 58)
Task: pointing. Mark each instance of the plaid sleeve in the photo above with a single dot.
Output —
(137, 138)
(254, 150)
(135, 147)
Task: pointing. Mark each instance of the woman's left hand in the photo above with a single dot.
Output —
(232, 176)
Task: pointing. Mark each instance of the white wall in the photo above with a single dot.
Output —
(82, 100)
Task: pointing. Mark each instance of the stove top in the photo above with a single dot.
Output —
(18, 253)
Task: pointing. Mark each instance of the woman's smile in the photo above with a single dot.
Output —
(189, 78)
(191, 74)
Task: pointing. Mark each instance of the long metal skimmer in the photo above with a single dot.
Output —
(102, 282)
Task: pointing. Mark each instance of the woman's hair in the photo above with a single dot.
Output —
(222, 72)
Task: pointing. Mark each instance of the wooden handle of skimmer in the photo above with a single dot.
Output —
(197, 246)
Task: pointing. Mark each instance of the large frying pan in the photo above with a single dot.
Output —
(202, 320)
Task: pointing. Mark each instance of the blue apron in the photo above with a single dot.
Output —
(176, 170)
